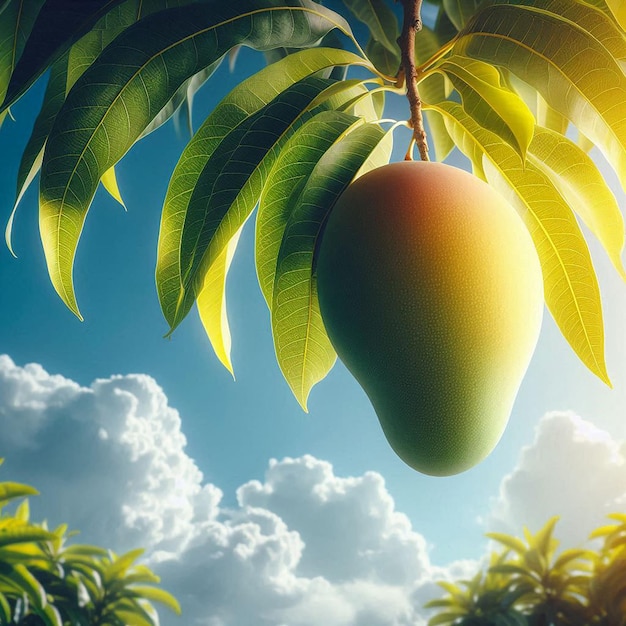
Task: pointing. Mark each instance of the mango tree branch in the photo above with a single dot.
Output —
(412, 23)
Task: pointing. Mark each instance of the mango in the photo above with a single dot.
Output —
(431, 293)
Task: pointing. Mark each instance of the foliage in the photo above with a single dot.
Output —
(508, 83)
(44, 582)
(527, 584)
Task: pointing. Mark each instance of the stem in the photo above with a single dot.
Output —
(412, 23)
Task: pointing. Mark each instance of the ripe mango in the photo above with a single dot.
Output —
(431, 292)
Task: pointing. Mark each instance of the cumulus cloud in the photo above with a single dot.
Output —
(302, 547)
(572, 469)
(109, 458)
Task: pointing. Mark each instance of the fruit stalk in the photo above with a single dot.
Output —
(412, 24)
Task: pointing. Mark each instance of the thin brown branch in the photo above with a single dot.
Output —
(411, 25)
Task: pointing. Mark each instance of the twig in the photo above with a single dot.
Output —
(411, 25)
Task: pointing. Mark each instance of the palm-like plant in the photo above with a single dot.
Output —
(44, 582)
(527, 584)
(20, 591)
(552, 593)
(607, 586)
(486, 599)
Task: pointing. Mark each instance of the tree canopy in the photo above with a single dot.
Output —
(523, 88)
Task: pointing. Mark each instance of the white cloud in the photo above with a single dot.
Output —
(302, 548)
(572, 469)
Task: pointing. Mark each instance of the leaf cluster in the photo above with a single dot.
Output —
(522, 87)
(44, 581)
(528, 584)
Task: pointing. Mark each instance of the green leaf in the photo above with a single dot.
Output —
(22, 512)
(10, 491)
(534, 561)
(87, 49)
(510, 568)
(5, 610)
(50, 615)
(303, 350)
(131, 617)
(182, 98)
(381, 21)
(24, 582)
(583, 186)
(449, 617)
(14, 531)
(235, 110)
(575, 72)
(570, 284)
(230, 182)
(120, 94)
(444, 28)
(544, 540)
(33, 152)
(440, 603)
(513, 543)
(460, 11)
(154, 594)
(496, 108)
(17, 21)
(212, 304)
(119, 566)
(566, 558)
(384, 60)
(57, 27)
(181, 105)
(289, 173)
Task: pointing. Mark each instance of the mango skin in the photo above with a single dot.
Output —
(431, 292)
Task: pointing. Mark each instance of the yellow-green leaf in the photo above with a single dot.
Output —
(618, 9)
(9, 491)
(449, 617)
(583, 186)
(511, 542)
(244, 101)
(575, 67)
(543, 540)
(22, 513)
(212, 304)
(570, 284)
(154, 594)
(493, 106)
(119, 566)
(126, 87)
(303, 349)
(109, 182)
(284, 184)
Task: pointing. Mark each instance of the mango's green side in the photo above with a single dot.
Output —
(431, 293)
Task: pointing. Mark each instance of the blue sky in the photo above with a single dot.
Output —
(233, 429)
